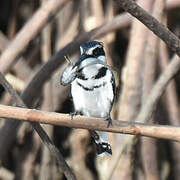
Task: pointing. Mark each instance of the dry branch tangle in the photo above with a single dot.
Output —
(156, 131)
(42, 16)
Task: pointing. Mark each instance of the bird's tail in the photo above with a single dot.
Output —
(102, 143)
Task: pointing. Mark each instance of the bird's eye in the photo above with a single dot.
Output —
(98, 51)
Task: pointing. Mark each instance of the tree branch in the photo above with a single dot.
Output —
(63, 166)
(173, 43)
(157, 28)
(156, 131)
(158, 89)
(28, 32)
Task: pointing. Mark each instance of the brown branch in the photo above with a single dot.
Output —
(17, 46)
(159, 29)
(44, 137)
(148, 108)
(158, 89)
(26, 156)
(28, 32)
(131, 93)
(171, 40)
(79, 141)
(148, 145)
(130, 97)
(46, 159)
(21, 68)
(171, 96)
(171, 102)
(156, 131)
(12, 56)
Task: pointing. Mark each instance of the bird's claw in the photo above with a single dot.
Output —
(72, 114)
(109, 121)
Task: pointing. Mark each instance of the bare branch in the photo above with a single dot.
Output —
(173, 43)
(159, 29)
(156, 131)
(28, 32)
(158, 89)
(131, 93)
(46, 159)
(44, 137)
(148, 145)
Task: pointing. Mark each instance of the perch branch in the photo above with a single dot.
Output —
(32, 115)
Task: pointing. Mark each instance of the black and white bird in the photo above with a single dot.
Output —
(92, 88)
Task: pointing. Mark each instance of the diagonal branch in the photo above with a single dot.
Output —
(32, 115)
(44, 137)
(42, 16)
(158, 89)
(157, 28)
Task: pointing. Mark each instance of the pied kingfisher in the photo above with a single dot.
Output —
(92, 88)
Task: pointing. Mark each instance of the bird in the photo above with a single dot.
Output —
(93, 89)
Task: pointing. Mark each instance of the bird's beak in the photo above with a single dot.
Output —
(77, 65)
(70, 73)
(78, 62)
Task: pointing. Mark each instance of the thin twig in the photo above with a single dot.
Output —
(156, 131)
(44, 137)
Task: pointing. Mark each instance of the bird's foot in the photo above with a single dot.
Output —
(72, 114)
(109, 121)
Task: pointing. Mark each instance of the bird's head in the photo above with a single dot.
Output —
(92, 49)
(92, 52)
